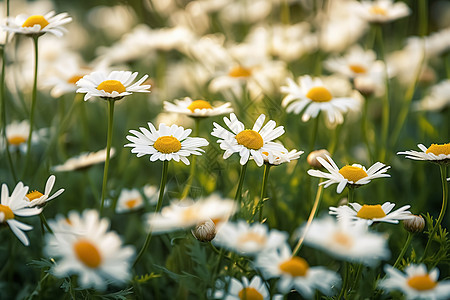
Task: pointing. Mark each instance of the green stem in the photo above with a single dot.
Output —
(44, 223)
(193, 169)
(285, 12)
(423, 17)
(33, 102)
(443, 208)
(351, 194)
(238, 196)
(402, 253)
(158, 208)
(365, 129)
(344, 284)
(263, 191)
(108, 148)
(314, 134)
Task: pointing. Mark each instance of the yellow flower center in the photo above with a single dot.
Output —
(35, 20)
(296, 266)
(87, 253)
(75, 78)
(319, 94)
(7, 212)
(199, 104)
(358, 69)
(16, 140)
(250, 293)
(376, 10)
(352, 173)
(252, 237)
(250, 139)
(131, 203)
(343, 239)
(167, 144)
(371, 212)
(239, 71)
(421, 282)
(34, 195)
(110, 86)
(439, 149)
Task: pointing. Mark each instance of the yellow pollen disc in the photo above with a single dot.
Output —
(343, 239)
(371, 212)
(239, 71)
(167, 144)
(199, 104)
(74, 79)
(250, 139)
(131, 203)
(87, 253)
(296, 266)
(376, 10)
(439, 149)
(35, 20)
(34, 195)
(252, 237)
(7, 212)
(358, 69)
(189, 214)
(110, 86)
(250, 293)
(421, 282)
(319, 94)
(16, 140)
(352, 173)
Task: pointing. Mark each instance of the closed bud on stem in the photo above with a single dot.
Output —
(414, 224)
(312, 158)
(205, 231)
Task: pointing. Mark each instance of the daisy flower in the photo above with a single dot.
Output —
(277, 158)
(197, 108)
(416, 282)
(244, 289)
(295, 273)
(185, 214)
(16, 205)
(371, 213)
(85, 247)
(166, 143)
(129, 200)
(114, 85)
(312, 96)
(439, 153)
(346, 241)
(17, 135)
(66, 81)
(249, 239)
(38, 24)
(438, 98)
(83, 161)
(151, 193)
(354, 175)
(381, 11)
(36, 198)
(248, 142)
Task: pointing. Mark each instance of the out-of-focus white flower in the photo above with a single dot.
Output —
(435, 153)
(38, 24)
(244, 289)
(114, 21)
(17, 136)
(197, 108)
(83, 161)
(129, 200)
(381, 11)
(437, 99)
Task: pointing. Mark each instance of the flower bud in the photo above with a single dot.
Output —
(414, 224)
(205, 231)
(312, 158)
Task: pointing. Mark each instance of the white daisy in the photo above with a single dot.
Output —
(83, 161)
(416, 282)
(248, 142)
(36, 198)
(295, 273)
(67, 82)
(129, 200)
(197, 108)
(371, 213)
(381, 11)
(249, 239)
(38, 24)
(277, 158)
(185, 214)
(354, 175)
(114, 85)
(17, 135)
(166, 143)
(16, 205)
(312, 96)
(84, 246)
(346, 241)
(439, 153)
(244, 289)
(437, 99)
(151, 192)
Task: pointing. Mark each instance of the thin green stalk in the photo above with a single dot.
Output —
(345, 283)
(44, 223)
(443, 208)
(351, 194)
(108, 148)
(158, 208)
(193, 169)
(402, 253)
(334, 140)
(423, 17)
(314, 133)
(365, 129)
(33, 102)
(238, 196)
(285, 12)
(263, 191)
